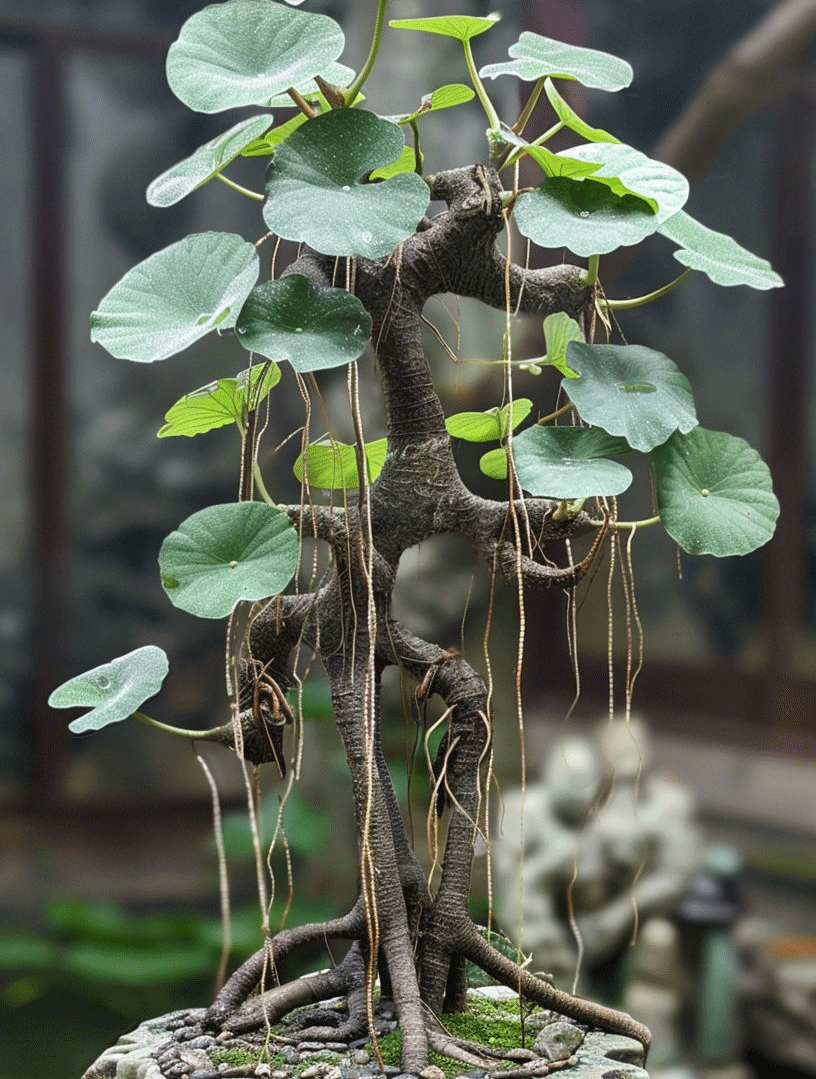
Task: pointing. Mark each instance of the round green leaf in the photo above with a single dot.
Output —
(571, 118)
(245, 52)
(205, 162)
(490, 426)
(446, 97)
(627, 171)
(176, 296)
(113, 691)
(717, 255)
(586, 217)
(461, 27)
(311, 326)
(535, 56)
(224, 554)
(333, 465)
(714, 493)
(563, 462)
(226, 401)
(630, 390)
(315, 192)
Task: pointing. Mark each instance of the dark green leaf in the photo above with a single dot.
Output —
(316, 194)
(630, 390)
(714, 493)
(717, 255)
(535, 56)
(176, 296)
(627, 171)
(246, 52)
(490, 426)
(113, 691)
(226, 401)
(333, 465)
(311, 326)
(224, 554)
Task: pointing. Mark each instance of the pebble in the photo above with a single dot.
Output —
(291, 1056)
(432, 1072)
(558, 1041)
(360, 1056)
(224, 1037)
(312, 1047)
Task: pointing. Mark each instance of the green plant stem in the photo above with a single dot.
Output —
(519, 151)
(237, 187)
(301, 103)
(591, 275)
(371, 59)
(261, 486)
(531, 103)
(194, 736)
(622, 526)
(558, 412)
(417, 148)
(478, 86)
(641, 301)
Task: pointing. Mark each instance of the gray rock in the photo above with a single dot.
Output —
(558, 1041)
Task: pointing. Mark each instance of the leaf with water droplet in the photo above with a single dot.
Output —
(113, 690)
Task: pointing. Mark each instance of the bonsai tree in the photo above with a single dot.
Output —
(341, 182)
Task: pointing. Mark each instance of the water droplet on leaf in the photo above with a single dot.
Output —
(298, 329)
(241, 329)
(366, 237)
(346, 187)
(103, 681)
(705, 492)
(583, 213)
(233, 564)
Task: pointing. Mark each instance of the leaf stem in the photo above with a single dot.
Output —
(519, 151)
(558, 412)
(301, 103)
(212, 735)
(620, 526)
(591, 275)
(261, 486)
(531, 103)
(237, 187)
(371, 59)
(478, 86)
(417, 148)
(641, 301)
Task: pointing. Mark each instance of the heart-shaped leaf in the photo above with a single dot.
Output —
(201, 166)
(315, 192)
(176, 296)
(490, 426)
(461, 27)
(627, 171)
(584, 216)
(563, 462)
(559, 330)
(113, 691)
(572, 120)
(535, 56)
(714, 493)
(245, 52)
(333, 465)
(311, 326)
(717, 255)
(446, 97)
(226, 401)
(630, 390)
(224, 554)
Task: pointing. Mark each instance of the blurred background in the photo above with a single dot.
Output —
(108, 890)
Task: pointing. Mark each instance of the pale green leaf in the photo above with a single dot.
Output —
(224, 554)
(246, 52)
(226, 401)
(535, 56)
(630, 390)
(490, 426)
(563, 462)
(559, 330)
(446, 97)
(461, 27)
(333, 465)
(406, 162)
(627, 171)
(572, 120)
(316, 194)
(717, 255)
(313, 327)
(176, 296)
(201, 166)
(266, 145)
(113, 691)
(714, 493)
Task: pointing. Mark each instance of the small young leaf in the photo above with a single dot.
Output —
(205, 162)
(176, 296)
(245, 52)
(224, 554)
(114, 690)
(490, 426)
(312, 326)
(582, 215)
(718, 256)
(461, 27)
(571, 118)
(406, 162)
(563, 462)
(446, 97)
(225, 401)
(630, 390)
(535, 56)
(315, 192)
(714, 493)
(265, 145)
(333, 465)
(559, 330)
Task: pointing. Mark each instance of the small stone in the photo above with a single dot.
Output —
(538, 1020)
(558, 1041)
(224, 1037)
(279, 1073)
(203, 1041)
(335, 1047)
(263, 1070)
(291, 1056)
(360, 1056)
(432, 1072)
